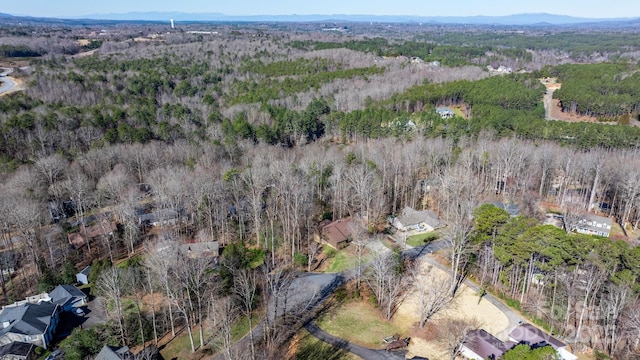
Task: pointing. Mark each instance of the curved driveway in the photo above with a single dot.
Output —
(363, 352)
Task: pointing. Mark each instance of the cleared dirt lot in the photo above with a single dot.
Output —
(466, 306)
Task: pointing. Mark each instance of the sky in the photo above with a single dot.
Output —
(578, 8)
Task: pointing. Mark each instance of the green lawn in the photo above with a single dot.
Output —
(310, 348)
(421, 239)
(342, 261)
(358, 322)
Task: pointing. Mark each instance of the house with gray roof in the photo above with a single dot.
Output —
(29, 323)
(68, 297)
(481, 345)
(419, 220)
(445, 112)
(534, 337)
(512, 209)
(160, 217)
(114, 353)
(83, 276)
(594, 225)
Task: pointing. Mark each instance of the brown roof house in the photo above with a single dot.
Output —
(419, 220)
(336, 233)
(105, 227)
(481, 345)
(532, 336)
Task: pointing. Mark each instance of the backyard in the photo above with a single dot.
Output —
(359, 321)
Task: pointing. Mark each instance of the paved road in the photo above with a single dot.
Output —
(8, 84)
(363, 352)
(308, 290)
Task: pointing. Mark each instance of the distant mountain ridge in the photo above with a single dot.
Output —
(529, 19)
(517, 19)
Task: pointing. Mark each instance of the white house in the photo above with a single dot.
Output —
(445, 112)
(594, 225)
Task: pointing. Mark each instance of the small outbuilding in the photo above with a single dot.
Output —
(83, 276)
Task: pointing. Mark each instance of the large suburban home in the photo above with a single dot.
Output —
(29, 323)
(68, 297)
(420, 220)
(594, 225)
(336, 233)
(481, 345)
(534, 337)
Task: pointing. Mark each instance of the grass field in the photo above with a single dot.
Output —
(307, 347)
(358, 322)
(421, 239)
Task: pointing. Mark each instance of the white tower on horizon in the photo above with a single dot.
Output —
(172, 24)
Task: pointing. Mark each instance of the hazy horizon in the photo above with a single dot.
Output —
(462, 8)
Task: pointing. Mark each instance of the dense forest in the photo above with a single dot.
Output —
(253, 137)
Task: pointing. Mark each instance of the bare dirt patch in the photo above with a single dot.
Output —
(556, 113)
(466, 306)
(18, 87)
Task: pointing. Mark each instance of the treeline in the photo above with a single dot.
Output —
(426, 50)
(576, 43)
(607, 90)
(251, 91)
(18, 51)
(562, 279)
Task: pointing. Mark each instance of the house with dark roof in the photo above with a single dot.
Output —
(481, 345)
(18, 350)
(419, 220)
(160, 217)
(68, 297)
(83, 276)
(29, 323)
(114, 353)
(336, 233)
(534, 337)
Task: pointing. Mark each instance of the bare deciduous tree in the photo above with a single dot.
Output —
(385, 277)
(433, 292)
(454, 332)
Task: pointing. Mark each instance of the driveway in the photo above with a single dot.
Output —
(95, 313)
(363, 352)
